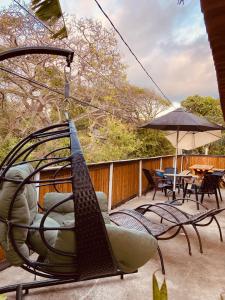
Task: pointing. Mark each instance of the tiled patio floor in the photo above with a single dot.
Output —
(196, 277)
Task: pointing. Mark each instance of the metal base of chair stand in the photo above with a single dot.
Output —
(23, 288)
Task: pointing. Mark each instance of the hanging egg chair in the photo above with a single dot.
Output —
(68, 236)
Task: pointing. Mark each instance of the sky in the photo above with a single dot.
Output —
(169, 39)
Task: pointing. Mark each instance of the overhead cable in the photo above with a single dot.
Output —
(67, 45)
(40, 84)
(131, 51)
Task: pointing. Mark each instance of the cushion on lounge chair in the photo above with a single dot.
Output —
(131, 248)
(23, 212)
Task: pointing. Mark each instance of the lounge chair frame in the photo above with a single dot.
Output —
(133, 219)
(174, 215)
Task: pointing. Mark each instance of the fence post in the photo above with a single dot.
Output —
(110, 186)
(140, 179)
(181, 164)
(161, 163)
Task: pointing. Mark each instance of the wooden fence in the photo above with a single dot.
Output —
(123, 180)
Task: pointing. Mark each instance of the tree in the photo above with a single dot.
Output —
(93, 45)
(114, 140)
(140, 105)
(153, 143)
(98, 77)
(209, 108)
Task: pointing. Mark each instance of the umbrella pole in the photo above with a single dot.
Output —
(175, 167)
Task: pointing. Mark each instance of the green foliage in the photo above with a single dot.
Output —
(153, 143)
(159, 293)
(7, 145)
(114, 140)
(3, 297)
(49, 11)
(210, 109)
(207, 107)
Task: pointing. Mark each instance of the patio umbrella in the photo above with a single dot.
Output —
(189, 140)
(181, 120)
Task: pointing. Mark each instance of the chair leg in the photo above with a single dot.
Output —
(196, 197)
(221, 199)
(154, 195)
(185, 190)
(188, 240)
(218, 225)
(217, 199)
(161, 260)
(165, 192)
(199, 238)
(202, 197)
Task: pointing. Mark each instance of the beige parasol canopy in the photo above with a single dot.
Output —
(189, 140)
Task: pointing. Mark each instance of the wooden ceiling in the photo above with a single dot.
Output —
(214, 15)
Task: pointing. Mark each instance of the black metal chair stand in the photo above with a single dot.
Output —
(94, 257)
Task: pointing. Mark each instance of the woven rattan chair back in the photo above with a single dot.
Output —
(94, 256)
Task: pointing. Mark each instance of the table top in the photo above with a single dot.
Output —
(201, 167)
(179, 175)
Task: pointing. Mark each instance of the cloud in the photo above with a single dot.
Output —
(170, 41)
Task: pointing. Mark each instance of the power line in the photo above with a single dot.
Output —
(45, 86)
(131, 51)
(40, 84)
(61, 93)
(65, 44)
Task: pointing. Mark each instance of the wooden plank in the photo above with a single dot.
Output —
(167, 162)
(125, 181)
(99, 176)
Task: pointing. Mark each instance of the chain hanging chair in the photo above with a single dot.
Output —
(78, 248)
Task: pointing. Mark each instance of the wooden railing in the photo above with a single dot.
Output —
(123, 180)
(120, 180)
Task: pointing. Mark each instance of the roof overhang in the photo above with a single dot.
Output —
(214, 15)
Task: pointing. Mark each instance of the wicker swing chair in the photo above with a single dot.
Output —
(21, 221)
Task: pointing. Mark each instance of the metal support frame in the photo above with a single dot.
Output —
(37, 50)
(22, 289)
(94, 257)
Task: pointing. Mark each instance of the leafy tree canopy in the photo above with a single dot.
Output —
(209, 108)
(98, 78)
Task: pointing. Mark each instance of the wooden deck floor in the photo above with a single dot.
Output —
(196, 277)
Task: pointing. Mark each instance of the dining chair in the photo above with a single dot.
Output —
(220, 175)
(209, 186)
(156, 183)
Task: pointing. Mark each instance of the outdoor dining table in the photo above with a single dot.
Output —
(185, 177)
(200, 169)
